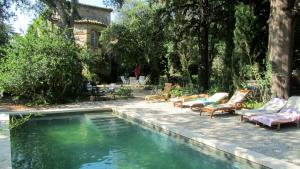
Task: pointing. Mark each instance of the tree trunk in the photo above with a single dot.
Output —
(229, 46)
(281, 32)
(60, 7)
(203, 62)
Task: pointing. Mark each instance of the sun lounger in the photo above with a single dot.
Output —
(200, 102)
(235, 103)
(177, 101)
(133, 81)
(124, 81)
(161, 96)
(143, 80)
(288, 114)
(112, 87)
(272, 106)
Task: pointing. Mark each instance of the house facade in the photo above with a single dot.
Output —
(92, 21)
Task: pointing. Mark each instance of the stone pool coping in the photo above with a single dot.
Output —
(5, 157)
(247, 154)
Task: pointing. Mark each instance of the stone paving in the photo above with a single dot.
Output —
(283, 144)
(5, 158)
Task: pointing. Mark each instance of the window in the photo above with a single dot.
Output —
(94, 39)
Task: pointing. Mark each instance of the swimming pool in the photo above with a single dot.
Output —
(104, 141)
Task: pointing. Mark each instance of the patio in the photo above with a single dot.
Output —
(225, 128)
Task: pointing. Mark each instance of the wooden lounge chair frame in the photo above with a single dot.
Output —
(160, 97)
(199, 105)
(179, 103)
(277, 102)
(233, 108)
(279, 124)
(291, 109)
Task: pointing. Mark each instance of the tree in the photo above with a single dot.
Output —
(230, 4)
(281, 38)
(197, 18)
(137, 38)
(5, 29)
(67, 10)
(243, 55)
(67, 13)
(43, 66)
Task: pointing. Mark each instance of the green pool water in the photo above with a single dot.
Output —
(107, 142)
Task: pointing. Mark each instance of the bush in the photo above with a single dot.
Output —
(214, 89)
(124, 91)
(96, 67)
(176, 91)
(244, 54)
(41, 66)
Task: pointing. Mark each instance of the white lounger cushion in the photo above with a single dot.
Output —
(217, 97)
(273, 106)
(289, 113)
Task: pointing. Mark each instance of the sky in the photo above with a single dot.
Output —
(23, 20)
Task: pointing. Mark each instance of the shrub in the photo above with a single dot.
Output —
(96, 66)
(244, 34)
(124, 91)
(214, 89)
(176, 91)
(41, 66)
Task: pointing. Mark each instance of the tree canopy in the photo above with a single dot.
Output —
(213, 45)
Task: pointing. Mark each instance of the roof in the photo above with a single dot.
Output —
(95, 7)
(90, 22)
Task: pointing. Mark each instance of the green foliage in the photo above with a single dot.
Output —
(120, 42)
(124, 91)
(5, 34)
(15, 122)
(217, 67)
(41, 66)
(165, 38)
(5, 29)
(263, 80)
(214, 89)
(115, 3)
(136, 38)
(253, 104)
(176, 91)
(96, 67)
(244, 33)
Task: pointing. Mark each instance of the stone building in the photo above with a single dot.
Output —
(88, 28)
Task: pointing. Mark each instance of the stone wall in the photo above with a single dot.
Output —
(90, 28)
(93, 19)
(82, 33)
(95, 13)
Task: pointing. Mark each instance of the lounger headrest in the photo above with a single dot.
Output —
(292, 105)
(274, 104)
(238, 96)
(217, 97)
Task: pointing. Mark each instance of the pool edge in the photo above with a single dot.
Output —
(244, 153)
(5, 150)
(247, 154)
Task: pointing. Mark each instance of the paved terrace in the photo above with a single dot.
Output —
(225, 128)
